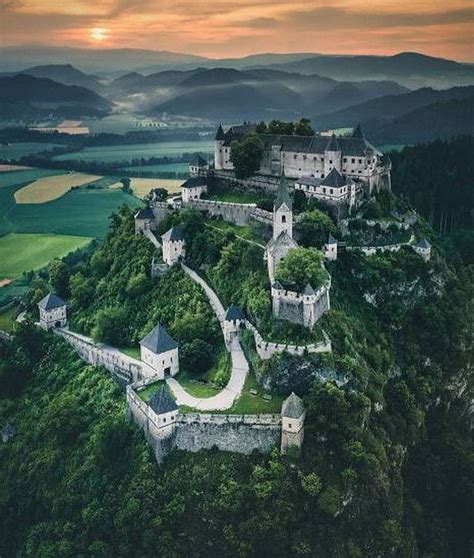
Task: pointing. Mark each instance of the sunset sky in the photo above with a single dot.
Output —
(223, 28)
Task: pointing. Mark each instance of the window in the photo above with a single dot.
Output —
(345, 159)
(283, 218)
(353, 160)
(331, 190)
(315, 158)
(360, 161)
(164, 419)
(304, 157)
(330, 161)
(324, 190)
(295, 156)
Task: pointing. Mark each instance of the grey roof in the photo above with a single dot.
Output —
(292, 406)
(145, 213)
(234, 313)
(194, 182)
(173, 235)
(283, 239)
(334, 179)
(424, 244)
(283, 197)
(198, 161)
(158, 340)
(308, 180)
(308, 290)
(51, 301)
(220, 134)
(8, 430)
(331, 239)
(333, 144)
(358, 133)
(162, 402)
(277, 285)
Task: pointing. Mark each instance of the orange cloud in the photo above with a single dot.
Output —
(232, 28)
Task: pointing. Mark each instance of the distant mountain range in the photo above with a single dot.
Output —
(24, 95)
(346, 91)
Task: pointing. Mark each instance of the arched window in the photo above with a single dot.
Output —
(283, 218)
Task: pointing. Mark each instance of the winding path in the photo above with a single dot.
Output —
(225, 398)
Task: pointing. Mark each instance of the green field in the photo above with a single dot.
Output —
(125, 153)
(25, 252)
(7, 319)
(17, 150)
(180, 168)
(81, 212)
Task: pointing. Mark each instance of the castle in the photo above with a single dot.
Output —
(341, 170)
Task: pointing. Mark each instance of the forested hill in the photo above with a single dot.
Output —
(437, 178)
(386, 468)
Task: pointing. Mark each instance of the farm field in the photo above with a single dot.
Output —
(82, 212)
(141, 186)
(17, 150)
(25, 252)
(125, 153)
(19, 177)
(52, 187)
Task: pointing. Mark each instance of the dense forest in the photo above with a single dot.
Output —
(387, 463)
(437, 179)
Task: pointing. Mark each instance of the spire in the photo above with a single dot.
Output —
(333, 144)
(283, 197)
(358, 133)
(220, 133)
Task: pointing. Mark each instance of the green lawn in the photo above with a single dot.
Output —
(234, 197)
(247, 232)
(133, 352)
(25, 252)
(7, 319)
(195, 387)
(146, 393)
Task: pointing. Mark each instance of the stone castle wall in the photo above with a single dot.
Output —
(266, 350)
(237, 213)
(124, 368)
(196, 431)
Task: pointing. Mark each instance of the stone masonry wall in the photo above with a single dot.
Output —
(237, 213)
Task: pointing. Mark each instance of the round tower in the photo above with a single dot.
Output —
(219, 148)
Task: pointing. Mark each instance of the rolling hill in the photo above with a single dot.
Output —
(27, 96)
(65, 74)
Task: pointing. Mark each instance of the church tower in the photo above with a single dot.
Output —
(283, 211)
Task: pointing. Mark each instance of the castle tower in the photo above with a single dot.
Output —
(159, 354)
(52, 311)
(234, 317)
(332, 156)
(292, 427)
(173, 245)
(330, 248)
(282, 211)
(219, 149)
(309, 303)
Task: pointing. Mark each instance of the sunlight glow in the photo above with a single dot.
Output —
(98, 34)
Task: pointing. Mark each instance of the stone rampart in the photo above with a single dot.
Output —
(266, 349)
(258, 183)
(237, 213)
(124, 368)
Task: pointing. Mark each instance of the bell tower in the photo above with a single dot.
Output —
(283, 211)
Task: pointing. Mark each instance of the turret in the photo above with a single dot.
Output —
(219, 148)
(52, 311)
(332, 156)
(292, 427)
(330, 248)
(282, 211)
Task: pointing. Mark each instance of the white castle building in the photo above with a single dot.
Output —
(359, 168)
(173, 245)
(52, 311)
(159, 354)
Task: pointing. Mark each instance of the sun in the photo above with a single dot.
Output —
(98, 34)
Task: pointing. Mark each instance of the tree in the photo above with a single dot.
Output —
(109, 326)
(126, 185)
(302, 266)
(303, 128)
(59, 277)
(315, 226)
(246, 155)
(196, 356)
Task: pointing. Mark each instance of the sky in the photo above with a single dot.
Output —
(232, 28)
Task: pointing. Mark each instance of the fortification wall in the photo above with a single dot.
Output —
(124, 368)
(237, 213)
(256, 183)
(266, 350)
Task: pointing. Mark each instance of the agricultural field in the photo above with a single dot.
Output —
(141, 186)
(125, 153)
(25, 252)
(79, 212)
(50, 188)
(17, 150)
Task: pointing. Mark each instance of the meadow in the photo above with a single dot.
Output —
(49, 188)
(25, 252)
(181, 168)
(141, 186)
(125, 153)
